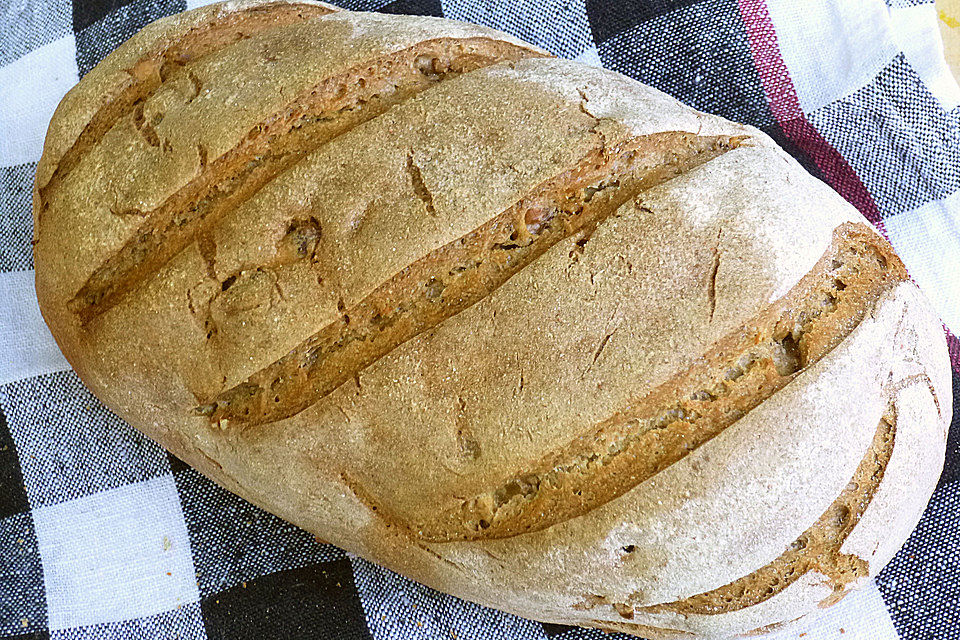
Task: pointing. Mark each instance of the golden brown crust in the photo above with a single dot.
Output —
(818, 549)
(459, 274)
(272, 146)
(740, 372)
(161, 62)
(729, 349)
(169, 58)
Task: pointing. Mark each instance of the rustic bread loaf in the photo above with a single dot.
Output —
(524, 330)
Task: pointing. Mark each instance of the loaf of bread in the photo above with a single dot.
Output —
(524, 330)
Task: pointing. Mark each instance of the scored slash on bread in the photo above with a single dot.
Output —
(164, 61)
(459, 274)
(817, 550)
(669, 422)
(524, 330)
(336, 105)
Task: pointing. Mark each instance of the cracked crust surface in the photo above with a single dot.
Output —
(607, 313)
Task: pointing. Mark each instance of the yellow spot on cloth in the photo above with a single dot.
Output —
(166, 543)
(950, 21)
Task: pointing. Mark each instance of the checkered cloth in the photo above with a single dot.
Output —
(104, 535)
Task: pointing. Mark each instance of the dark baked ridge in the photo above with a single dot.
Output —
(167, 60)
(739, 373)
(769, 628)
(334, 106)
(457, 275)
(647, 631)
(640, 630)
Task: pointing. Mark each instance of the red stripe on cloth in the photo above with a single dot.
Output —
(785, 106)
(953, 346)
(786, 110)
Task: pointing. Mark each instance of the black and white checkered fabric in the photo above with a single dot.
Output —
(104, 535)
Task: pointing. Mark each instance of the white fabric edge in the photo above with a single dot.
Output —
(28, 348)
(917, 33)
